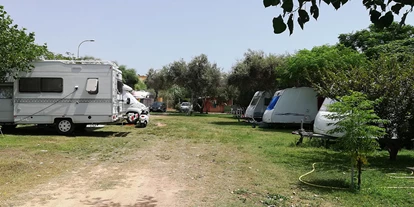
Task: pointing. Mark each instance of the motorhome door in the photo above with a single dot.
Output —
(6, 103)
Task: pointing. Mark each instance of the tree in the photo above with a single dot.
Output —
(156, 80)
(388, 77)
(257, 71)
(140, 85)
(201, 79)
(328, 69)
(381, 11)
(17, 48)
(129, 76)
(368, 40)
(355, 117)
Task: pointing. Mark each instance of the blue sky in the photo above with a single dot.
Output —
(145, 34)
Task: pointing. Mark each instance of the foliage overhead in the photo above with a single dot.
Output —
(381, 11)
(17, 48)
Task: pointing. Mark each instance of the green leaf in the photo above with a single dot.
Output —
(396, 8)
(290, 24)
(268, 3)
(300, 22)
(336, 4)
(386, 20)
(326, 1)
(375, 15)
(402, 22)
(314, 10)
(278, 25)
(303, 15)
(383, 7)
(344, 1)
(287, 5)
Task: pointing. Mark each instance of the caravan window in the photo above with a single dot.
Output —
(29, 85)
(254, 101)
(37, 85)
(92, 85)
(52, 85)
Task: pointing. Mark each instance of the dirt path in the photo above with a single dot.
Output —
(142, 180)
(167, 173)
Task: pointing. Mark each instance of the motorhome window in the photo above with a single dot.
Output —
(120, 86)
(53, 85)
(254, 101)
(92, 85)
(29, 85)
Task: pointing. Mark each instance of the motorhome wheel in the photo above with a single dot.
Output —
(64, 126)
(129, 121)
(143, 125)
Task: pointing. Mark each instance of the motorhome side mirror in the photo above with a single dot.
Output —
(128, 100)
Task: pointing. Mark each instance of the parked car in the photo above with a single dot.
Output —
(185, 106)
(158, 106)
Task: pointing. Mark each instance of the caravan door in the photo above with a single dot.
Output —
(6, 103)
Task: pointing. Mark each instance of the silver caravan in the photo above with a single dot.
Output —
(258, 105)
(320, 125)
(65, 93)
(291, 106)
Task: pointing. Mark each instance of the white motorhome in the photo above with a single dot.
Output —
(291, 106)
(258, 105)
(65, 93)
(320, 125)
(131, 105)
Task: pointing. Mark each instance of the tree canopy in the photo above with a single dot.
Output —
(381, 11)
(18, 49)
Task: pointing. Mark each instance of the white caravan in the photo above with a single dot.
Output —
(258, 105)
(291, 106)
(320, 125)
(65, 93)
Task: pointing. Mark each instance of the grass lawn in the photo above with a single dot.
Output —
(234, 164)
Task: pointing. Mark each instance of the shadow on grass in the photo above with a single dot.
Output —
(385, 165)
(324, 184)
(44, 131)
(228, 123)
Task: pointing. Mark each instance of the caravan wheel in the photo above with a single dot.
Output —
(64, 126)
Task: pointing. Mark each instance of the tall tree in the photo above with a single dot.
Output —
(17, 48)
(381, 11)
(129, 76)
(156, 80)
(257, 71)
(390, 77)
(201, 78)
(367, 40)
(326, 68)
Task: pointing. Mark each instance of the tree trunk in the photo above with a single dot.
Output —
(352, 175)
(359, 166)
(393, 148)
(156, 96)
